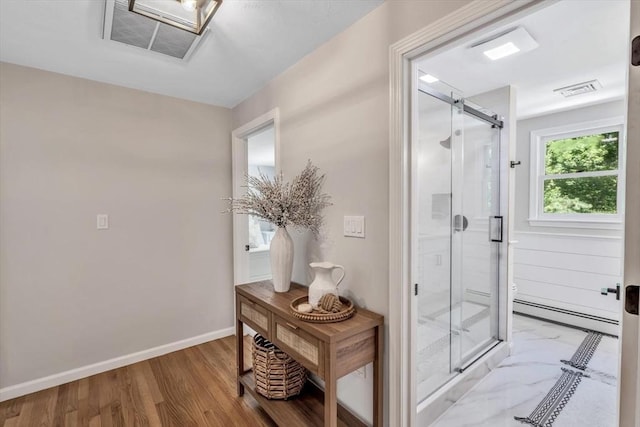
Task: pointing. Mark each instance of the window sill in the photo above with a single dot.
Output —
(605, 224)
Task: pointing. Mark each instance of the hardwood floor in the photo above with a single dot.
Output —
(191, 387)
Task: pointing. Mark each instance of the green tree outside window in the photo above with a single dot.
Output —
(567, 161)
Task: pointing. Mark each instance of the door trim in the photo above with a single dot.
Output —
(238, 157)
(469, 18)
(629, 374)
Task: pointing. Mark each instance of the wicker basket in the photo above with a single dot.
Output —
(276, 374)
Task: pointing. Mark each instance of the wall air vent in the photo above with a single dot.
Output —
(579, 88)
(133, 29)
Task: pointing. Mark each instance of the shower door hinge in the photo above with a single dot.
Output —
(415, 289)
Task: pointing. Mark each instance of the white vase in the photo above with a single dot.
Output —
(281, 252)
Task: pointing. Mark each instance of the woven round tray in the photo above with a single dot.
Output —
(322, 317)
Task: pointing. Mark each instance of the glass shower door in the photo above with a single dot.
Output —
(454, 263)
(474, 230)
(432, 245)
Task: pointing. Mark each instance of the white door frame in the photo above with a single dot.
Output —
(238, 171)
(629, 374)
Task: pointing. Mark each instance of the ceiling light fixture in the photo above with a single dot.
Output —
(428, 78)
(188, 15)
(501, 51)
(505, 44)
(189, 5)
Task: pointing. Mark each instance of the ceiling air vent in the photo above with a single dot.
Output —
(133, 29)
(579, 88)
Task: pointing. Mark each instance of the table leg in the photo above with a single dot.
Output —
(330, 389)
(378, 377)
(239, 354)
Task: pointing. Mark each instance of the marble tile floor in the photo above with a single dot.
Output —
(523, 379)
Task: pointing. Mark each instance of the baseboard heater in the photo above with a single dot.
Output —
(609, 326)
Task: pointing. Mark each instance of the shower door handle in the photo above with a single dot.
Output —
(460, 223)
(495, 228)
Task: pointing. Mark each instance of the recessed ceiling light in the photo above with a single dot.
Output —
(501, 51)
(428, 78)
(506, 43)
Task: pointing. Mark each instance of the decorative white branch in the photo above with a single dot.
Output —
(299, 203)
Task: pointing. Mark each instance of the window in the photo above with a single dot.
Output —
(575, 175)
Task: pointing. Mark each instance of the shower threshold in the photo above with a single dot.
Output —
(443, 398)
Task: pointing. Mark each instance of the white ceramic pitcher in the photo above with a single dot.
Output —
(323, 282)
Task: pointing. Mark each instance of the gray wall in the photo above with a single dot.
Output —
(71, 295)
(524, 129)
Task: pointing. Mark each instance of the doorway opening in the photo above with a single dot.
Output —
(562, 96)
(255, 153)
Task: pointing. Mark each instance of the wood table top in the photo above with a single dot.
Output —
(263, 294)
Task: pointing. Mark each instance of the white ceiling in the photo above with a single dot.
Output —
(250, 42)
(579, 41)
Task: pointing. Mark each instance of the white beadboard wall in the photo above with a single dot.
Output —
(566, 272)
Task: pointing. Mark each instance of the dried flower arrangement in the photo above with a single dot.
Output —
(299, 203)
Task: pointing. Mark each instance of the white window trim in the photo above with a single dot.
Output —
(536, 177)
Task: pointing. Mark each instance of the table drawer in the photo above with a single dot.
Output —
(305, 348)
(254, 316)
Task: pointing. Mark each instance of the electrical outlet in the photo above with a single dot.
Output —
(102, 222)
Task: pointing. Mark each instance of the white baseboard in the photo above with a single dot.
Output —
(575, 319)
(32, 386)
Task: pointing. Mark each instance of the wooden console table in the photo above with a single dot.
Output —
(329, 350)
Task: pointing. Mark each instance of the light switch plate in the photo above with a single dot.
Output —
(354, 226)
(102, 222)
